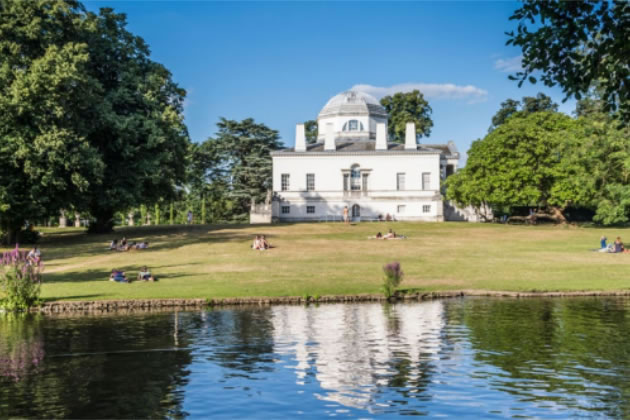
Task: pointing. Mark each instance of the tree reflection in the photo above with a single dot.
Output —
(575, 350)
(92, 370)
(243, 339)
(21, 345)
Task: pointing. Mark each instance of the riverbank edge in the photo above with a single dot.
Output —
(145, 304)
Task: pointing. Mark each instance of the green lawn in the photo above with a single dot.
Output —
(320, 259)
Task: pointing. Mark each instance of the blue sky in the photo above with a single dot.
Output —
(280, 62)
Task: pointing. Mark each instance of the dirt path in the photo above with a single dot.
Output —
(78, 265)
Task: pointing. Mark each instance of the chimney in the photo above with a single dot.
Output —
(381, 136)
(410, 137)
(329, 141)
(300, 138)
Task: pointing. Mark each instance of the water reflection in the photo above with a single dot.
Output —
(22, 346)
(353, 350)
(463, 358)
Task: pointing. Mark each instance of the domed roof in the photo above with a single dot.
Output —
(353, 102)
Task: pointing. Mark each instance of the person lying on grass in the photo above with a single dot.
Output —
(118, 276)
(146, 275)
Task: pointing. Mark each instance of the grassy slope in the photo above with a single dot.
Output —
(215, 261)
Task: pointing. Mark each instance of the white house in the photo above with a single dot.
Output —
(353, 164)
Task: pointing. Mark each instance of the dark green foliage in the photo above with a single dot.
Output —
(310, 129)
(234, 168)
(87, 120)
(46, 107)
(528, 105)
(575, 44)
(407, 107)
(517, 164)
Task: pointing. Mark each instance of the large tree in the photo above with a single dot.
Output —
(407, 107)
(239, 158)
(575, 44)
(87, 120)
(47, 106)
(595, 168)
(517, 164)
(139, 131)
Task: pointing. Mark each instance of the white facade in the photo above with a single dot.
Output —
(354, 165)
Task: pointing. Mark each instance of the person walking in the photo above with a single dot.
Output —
(189, 218)
(346, 218)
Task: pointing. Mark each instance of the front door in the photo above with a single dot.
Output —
(356, 212)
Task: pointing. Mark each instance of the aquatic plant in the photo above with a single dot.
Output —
(20, 280)
(393, 277)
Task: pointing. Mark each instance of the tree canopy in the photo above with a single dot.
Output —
(528, 105)
(87, 120)
(575, 44)
(238, 162)
(407, 107)
(517, 164)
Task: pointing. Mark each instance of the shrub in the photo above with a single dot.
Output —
(393, 277)
(20, 280)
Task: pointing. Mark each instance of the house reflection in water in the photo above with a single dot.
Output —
(355, 351)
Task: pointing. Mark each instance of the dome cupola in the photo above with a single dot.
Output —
(351, 114)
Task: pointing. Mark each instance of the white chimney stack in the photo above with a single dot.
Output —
(300, 138)
(329, 140)
(381, 136)
(410, 137)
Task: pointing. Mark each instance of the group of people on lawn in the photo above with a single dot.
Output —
(124, 245)
(613, 248)
(121, 277)
(261, 243)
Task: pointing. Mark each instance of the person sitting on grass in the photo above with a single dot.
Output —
(113, 245)
(118, 276)
(142, 245)
(602, 242)
(256, 244)
(33, 256)
(618, 245)
(145, 274)
(378, 236)
(265, 244)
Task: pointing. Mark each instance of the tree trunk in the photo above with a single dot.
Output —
(558, 214)
(103, 223)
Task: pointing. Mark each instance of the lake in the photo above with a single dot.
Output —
(464, 358)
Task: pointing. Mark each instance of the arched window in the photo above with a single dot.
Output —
(355, 178)
(353, 125)
(356, 211)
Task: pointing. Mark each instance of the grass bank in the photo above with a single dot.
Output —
(330, 259)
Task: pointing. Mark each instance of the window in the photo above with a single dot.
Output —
(356, 211)
(310, 209)
(355, 178)
(401, 208)
(286, 209)
(426, 208)
(285, 182)
(353, 125)
(310, 182)
(426, 181)
(346, 182)
(400, 182)
(364, 185)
